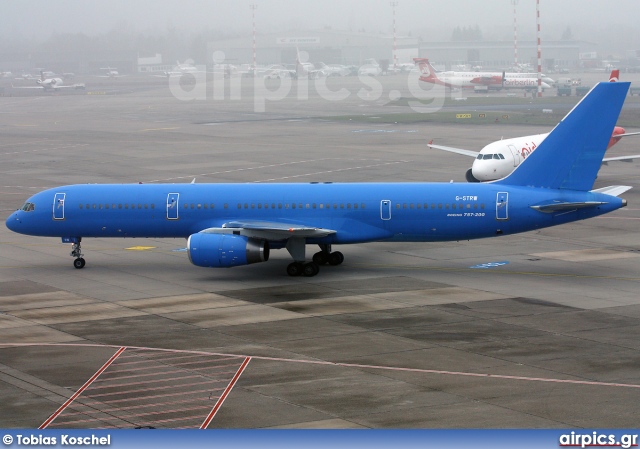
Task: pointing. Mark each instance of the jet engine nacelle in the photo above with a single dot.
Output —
(225, 250)
(470, 177)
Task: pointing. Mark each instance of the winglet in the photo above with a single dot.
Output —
(571, 155)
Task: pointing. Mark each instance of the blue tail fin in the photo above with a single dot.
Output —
(571, 155)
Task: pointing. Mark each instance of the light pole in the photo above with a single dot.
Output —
(253, 7)
(515, 33)
(395, 42)
(539, 49)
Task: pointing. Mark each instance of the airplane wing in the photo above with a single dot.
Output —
(269, 230)
(27, 87)
(469, 153)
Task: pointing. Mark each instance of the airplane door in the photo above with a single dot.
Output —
(502, 206)
(385, 209)
(515, 154)
(58, 206)
(172, 206)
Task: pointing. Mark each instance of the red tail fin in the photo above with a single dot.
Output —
(615, 76)
(427, 72)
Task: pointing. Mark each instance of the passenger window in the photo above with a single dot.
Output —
(186, 206)
(321, 206)
(212, 206)
(279, 206)
(246, 205)
(239, 206)
(398, 206)
(139, 206)
(153, 206)
(446, 206)
(146, 206)
(468, 206)
(362, 206)
(106, 206)
(439, 206)
(88, 206)
(482, 206)
(80, 207)
(259, 206)
(308, 206)
(226, 205)
(453, 206)
(293, 205)
(341, 206)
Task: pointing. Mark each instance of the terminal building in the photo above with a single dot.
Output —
(328, 46)
(500, 54)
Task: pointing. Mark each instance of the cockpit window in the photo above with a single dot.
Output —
(28, 207)
(495, 156)
(501, 156)
(487, 156)
(479, 157)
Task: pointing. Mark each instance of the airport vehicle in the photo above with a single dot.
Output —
(229, 225)
(50, 84)
(370, 68)
(469, 80)
(564, 90)
(110, 73)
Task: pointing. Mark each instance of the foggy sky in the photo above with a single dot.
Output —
(431, 19)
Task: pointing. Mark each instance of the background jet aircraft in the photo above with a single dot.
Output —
(468, 80)
(50, 84)
(497, 159)
(229, 225)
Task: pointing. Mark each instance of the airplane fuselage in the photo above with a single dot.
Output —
(357, 212)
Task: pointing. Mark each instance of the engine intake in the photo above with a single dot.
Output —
(225, 250)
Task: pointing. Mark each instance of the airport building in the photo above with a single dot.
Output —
(500, 54)
(328, 46)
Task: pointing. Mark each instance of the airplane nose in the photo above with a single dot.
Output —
(482, 172)
(13, 222)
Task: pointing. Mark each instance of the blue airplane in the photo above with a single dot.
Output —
(228, 225)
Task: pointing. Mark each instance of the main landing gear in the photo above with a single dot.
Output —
(76, 252)
(323, 257)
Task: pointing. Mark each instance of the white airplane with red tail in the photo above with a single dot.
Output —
(498, 159)
(469, 80)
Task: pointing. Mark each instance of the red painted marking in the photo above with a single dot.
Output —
(213, 412)
(82, 388)
(319, 362)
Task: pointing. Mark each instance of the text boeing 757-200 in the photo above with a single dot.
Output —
(237, 224)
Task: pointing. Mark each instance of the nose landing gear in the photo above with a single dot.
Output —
(76, 252)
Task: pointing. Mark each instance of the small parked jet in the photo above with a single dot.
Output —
(228, 225)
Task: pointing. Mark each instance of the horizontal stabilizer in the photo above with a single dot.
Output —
(630, 158)
(560, 207)
(613, 190)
